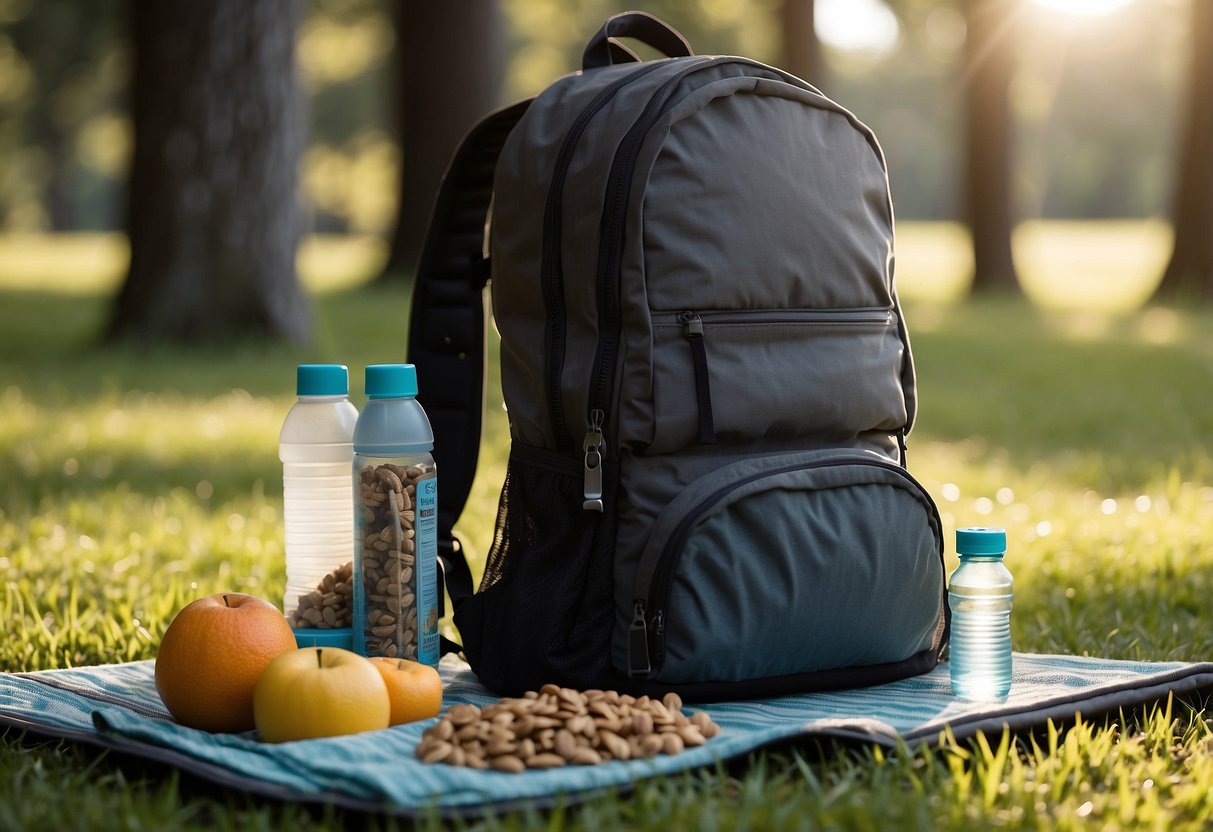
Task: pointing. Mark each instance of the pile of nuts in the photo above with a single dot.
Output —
(330, 604)
(559, 726)
(386, 523)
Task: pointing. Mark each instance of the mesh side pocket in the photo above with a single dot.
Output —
(544, 610)
(499, 552)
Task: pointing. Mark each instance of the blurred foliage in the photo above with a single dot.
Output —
(349, 170)
(1096, 100)
(63, 71)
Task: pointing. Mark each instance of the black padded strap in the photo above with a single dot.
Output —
(639, 25)
(447, 326)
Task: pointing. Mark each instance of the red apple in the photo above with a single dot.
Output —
(212, 655)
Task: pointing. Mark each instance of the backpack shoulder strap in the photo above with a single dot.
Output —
(447, 325)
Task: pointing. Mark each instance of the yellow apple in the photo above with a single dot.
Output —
(415, 689)
(319, 692)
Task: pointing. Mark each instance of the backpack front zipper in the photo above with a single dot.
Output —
(611, 241)
(551, 267)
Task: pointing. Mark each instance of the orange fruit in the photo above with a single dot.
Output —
(415, 689)
(319, 692)
(211, 656)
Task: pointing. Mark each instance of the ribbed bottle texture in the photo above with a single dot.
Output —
(317, 452)
(981, 594)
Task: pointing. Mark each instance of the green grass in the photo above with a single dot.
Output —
(132, 482)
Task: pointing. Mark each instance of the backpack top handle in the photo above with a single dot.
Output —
(603, 51)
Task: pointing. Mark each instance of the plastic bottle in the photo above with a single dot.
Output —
(980, 593)
(316, 450)
(396, 520)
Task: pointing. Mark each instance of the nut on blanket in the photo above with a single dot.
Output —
(556, 726)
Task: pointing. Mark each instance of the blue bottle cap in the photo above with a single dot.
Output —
(322, 380)
(391, 381)
(978, 540)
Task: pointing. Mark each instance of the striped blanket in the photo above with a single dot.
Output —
(116, 706)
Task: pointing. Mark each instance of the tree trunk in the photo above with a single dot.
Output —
(801, 48)
(450, 59)
(214, 216)
(1189, 274)
(988, 199)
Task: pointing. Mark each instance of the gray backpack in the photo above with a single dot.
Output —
(708, 380)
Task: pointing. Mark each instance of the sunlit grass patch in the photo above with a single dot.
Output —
(95, 263)
(934, 262)
(1108, 266)
(1101, 268)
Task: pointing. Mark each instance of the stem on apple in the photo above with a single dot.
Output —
(226, 603)
(319, 662)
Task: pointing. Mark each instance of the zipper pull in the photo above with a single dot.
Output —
(692, 324)
(693, 332)
(593, 445)
(638, 643)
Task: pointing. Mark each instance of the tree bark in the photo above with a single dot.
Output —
(214, 216)
(801, 48)
(988, 57)
(450, 59)
(1189, 273)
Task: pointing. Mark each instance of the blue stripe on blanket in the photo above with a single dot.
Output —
(117, 706)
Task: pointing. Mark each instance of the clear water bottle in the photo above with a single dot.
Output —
(980, 593)
(316, 450)
(396, 521)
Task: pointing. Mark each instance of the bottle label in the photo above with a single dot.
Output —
(395, 592)
(428, 651)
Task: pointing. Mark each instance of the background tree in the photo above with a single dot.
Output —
(801, 48)
(214, 215)
(1189, 273)
(988, 67)
(450, 58)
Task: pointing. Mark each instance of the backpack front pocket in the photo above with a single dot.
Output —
(832, 374)
(789, 566)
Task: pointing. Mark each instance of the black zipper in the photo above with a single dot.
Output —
(610, 250)
(646, 650)
(725, 317)
(552, 269)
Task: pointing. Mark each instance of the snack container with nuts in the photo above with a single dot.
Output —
(395, 591)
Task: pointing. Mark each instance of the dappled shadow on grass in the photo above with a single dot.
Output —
(1114, 407)
(81, 418)
(51, 343)
(1155, 610)
(215, 478)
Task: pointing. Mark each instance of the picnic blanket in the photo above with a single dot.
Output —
(116, 706)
